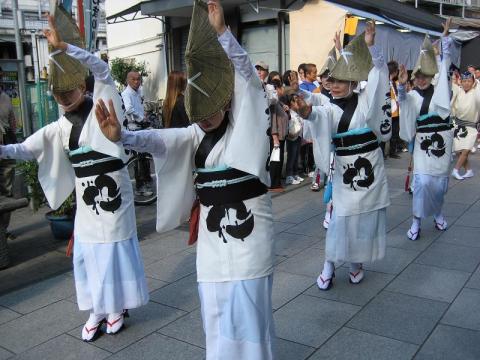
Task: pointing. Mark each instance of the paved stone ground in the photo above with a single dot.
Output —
(420, 302)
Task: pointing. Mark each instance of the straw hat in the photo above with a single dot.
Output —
(426, 62)
(355, 61)
(330, 63)
(66, 73)
(210, 72)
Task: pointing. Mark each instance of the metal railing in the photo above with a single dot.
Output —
(463, 3)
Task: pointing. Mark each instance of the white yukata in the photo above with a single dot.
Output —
(429, 124)
(235, 248)
(465, 110)
(108, 267)
(357, 230)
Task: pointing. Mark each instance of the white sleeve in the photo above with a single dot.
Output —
(129, 106)
(144, 141)
(237, 54)
(408, 114)
(316, 99)
(16, 151)
(378, 95)
(441, 95)
(321, 130)
(97, 66)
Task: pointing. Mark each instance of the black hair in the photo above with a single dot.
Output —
(272, 74)
(392, 67)
(275, 82)
(309, 68)
(303, 67)
(286, 77)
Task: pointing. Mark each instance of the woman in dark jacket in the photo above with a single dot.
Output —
(174, 114)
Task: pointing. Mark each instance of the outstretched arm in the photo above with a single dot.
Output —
(99, 68)
(234, 51)
(148, 141)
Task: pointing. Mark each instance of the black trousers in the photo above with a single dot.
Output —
(293, 150)
(395, 141)
(277, 166)
(306, 155)
(142, 170)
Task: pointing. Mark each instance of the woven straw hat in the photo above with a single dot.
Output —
(66, 73)
(355, 61)
(426, 62)
(210, 72)
(330, 63)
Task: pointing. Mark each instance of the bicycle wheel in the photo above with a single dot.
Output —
(144, 194)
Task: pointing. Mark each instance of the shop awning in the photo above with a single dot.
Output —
(394, 13)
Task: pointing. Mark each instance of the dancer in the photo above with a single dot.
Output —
(108, 268)
(465, 110)
(356, 122)
(227, 147)
(425, 118)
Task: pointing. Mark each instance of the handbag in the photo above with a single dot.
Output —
(275, 155)
(194, 222)
(294, 127)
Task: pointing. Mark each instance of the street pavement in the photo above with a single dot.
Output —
(421, 301)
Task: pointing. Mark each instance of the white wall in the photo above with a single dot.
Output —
(139, 40)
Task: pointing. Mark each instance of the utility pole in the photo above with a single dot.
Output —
(27, 128)
(36, 66)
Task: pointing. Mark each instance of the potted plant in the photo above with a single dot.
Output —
(35, 193)
(62, 219)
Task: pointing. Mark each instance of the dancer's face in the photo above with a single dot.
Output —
(341, 89)
(422, 81)
(213, 122)
(70, 100)
(467, 84)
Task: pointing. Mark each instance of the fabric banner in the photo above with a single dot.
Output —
(92, 18)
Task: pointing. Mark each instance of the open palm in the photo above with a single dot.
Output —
(107, 120)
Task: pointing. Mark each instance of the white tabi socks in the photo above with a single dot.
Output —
(440, 222)
(115, 322)
(91, 330)
(356, 273)
(324, 280)
(414, 232)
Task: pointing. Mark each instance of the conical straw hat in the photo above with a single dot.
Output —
(66, 73)
(331, 61)
(210, 72)
(426, 62)
(355, 61)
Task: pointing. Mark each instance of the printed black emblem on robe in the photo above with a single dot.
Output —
(113, 200)
(434, 145)
(231, 219)
(359, 174)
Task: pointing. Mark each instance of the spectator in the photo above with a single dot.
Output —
(279, 129)
(395, 142)
(286, 77)
(302, 69)
(294, 139)
(262, 70)
(174, 114)
(7, 136)
(274, 75)
(471, 69)
(310, 83)
(133, 101)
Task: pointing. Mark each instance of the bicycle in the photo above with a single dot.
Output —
(142, 198)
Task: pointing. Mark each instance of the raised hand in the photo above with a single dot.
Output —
(446, 26)
(293, 79)
(402, 75)
(304, 109)
(336, 40)
(216, 16)
(107, 120)
(370, 33)
(53, 36)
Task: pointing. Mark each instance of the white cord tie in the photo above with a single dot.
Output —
(191, 82)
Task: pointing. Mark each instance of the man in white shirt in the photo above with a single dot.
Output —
(133, 101)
